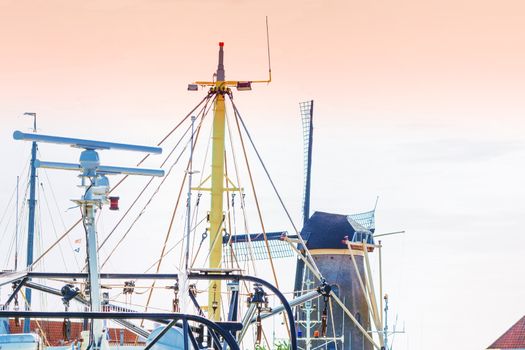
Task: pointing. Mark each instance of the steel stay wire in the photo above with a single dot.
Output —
(139, 195)
(72, 227)
(273, 185)
(152, 178)
(242, 199)
(175, 210)
(256, 202)
(143, 210)
(311, 264)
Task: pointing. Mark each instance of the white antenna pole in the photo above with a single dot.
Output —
(16, 225)
(385, 331)
(188, 205)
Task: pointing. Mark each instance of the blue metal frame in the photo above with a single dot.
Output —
(192, 276)
(228, 338)
(282, 298)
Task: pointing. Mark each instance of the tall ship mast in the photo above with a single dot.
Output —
(325, 308)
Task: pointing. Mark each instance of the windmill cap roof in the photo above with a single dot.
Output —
(327, 231)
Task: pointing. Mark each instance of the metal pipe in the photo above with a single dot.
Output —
(31, 227)
(297, 301)
(89, 211)
(82, 275)
(102, 169)
(356, 323)
(246, 321)
(130, 326)
(11, 277)
(15, 291)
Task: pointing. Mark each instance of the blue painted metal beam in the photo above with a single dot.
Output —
(31, 227)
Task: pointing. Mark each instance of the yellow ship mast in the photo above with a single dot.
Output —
(220, 87)
(217, 187)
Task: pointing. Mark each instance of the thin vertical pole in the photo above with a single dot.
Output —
(89, 212)
(185, 333)
(31, 222)
(188, 204)
(16, 226)
(380, 282)
(385, 330)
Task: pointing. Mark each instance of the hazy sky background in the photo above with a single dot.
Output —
(418, 102)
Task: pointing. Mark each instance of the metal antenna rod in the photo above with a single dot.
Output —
(385, 331)
(16, 225)
(188, 205)
(268, 49)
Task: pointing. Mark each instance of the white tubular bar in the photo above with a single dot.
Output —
(87, 144)
(107, 170)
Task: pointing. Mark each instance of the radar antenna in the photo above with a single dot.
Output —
(96, 185)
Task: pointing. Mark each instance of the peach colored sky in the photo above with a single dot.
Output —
(420, 102)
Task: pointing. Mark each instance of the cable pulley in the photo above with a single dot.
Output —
(176, 301)
(324, 289)
(260, 299)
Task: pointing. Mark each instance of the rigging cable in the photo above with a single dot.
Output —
(273, 186)
(59, 213)
(146, 186)
(173, 215)
(140, 195)
(199, 195)
(242, 200)
(145, 206)
(7, 207)
(72, 227)
(257, 204)
(142, 192)
(205, 99)
(52, 222)
(256, 198)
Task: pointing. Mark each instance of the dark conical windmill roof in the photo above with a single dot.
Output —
(513, 338)
(327, 231)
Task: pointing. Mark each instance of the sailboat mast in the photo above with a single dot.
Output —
(217, 188)
(31, 222)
